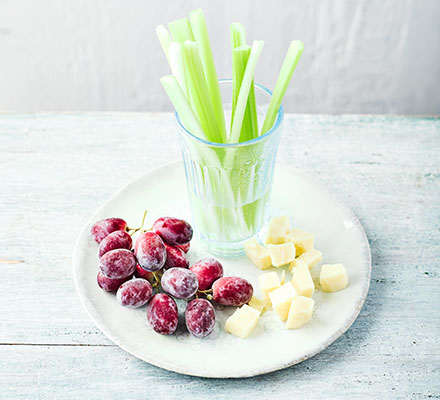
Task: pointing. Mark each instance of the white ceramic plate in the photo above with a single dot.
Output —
(339, 236)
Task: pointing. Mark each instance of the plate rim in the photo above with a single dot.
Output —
(86, 303)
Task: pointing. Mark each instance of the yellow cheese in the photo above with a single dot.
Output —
(302, 240)
(243, 321)
(281, 299)
(309, 258)
(258, 304)
(333, 277)
(302, 281)
(259, 255)
(268, 282)
(300, 312)
(281, 254)
(278, 228)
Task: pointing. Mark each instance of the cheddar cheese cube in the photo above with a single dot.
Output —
(302, 240)
(243, 321)
(278, 228)
(300, 312)
(259, 255)
(333, 277)
(258, 304)
(309, 258)
(302, 281)
(268, 282)
(281, 254)
(281, 299)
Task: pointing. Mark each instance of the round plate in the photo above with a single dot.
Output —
(338, 234)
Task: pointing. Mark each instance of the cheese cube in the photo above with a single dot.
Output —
(333, 277)
(258, 304)
(259, 255)
(278, 228)
(310, 258)
(268, 282)
(300, 312)
(281, 254)
(243, 321)
(302, 240)
(281, 299)
(302, 281)
(283, 277)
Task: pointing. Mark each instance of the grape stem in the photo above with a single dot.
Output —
(134, 231)
(207, 293)
(143, 220)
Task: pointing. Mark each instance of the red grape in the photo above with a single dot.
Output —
(162, 314)
(116, 240)
(141, 273)
(173, 231)
(110, 285)
(179, 282)
(175, 257)
(200, 317)
(118, 263)
(184, 247)
(103, 228)
(232, 291)
(207, 270)
(150, 251)
(134, 293)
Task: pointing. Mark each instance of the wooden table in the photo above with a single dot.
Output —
(56, 169)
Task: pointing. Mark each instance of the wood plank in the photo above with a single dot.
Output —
(55, 169)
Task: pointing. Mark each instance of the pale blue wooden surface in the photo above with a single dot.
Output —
(55, 169)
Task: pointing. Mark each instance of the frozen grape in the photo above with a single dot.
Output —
(162, 314)
(207, 270)
(200, 317)
(232, 291)
(150, 251)
(179, 282)
(103, 228)
(116, 240)
(175, 257)
(110, 285)
(134, 293)
(173, 231)
(184, 247)
(118, 263)
(141, 273)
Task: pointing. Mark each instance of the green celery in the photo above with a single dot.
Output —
(238, 35)
(182, 106)
(199, 93)
(181, 30)
(164, 39)
(200, 31)
(289, 64)
(175, 58)
(245, 86)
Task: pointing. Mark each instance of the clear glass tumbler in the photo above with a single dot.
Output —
(229, 185)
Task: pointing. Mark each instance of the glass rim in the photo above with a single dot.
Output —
(276, 125)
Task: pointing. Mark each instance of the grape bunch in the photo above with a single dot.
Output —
(155, 272)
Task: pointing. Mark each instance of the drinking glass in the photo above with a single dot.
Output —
(229, 185)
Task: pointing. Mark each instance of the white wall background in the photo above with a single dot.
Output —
(366, 56)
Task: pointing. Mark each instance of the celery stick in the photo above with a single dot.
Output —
(181, 30)
(200, 31)
(289, 64)
(175, 58)
(240, 56)
(238, 35)
(183, 108)
(248, 77)
(199, 93)
(164, 39)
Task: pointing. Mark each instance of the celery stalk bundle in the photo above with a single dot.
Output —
(195, 91)
(229, 193)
